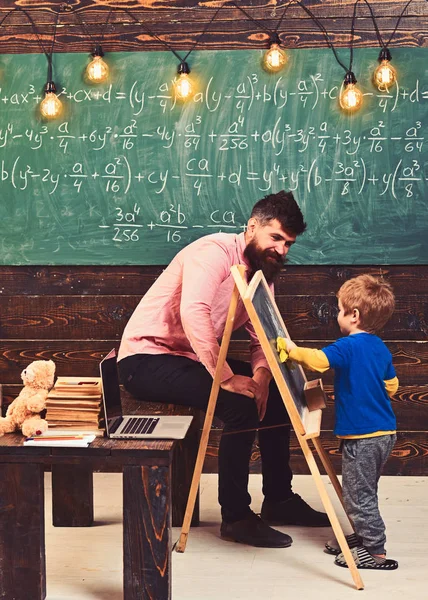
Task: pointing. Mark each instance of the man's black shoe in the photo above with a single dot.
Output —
(293, 511)
(255, 532)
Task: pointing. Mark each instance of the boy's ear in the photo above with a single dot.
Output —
(356, 315)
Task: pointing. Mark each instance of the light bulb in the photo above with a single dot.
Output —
(97, 71)
(275, 58)
(384, 75)
(184, 88)
(351, 96)
(51, 105)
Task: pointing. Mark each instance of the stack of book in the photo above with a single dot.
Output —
(74, 403)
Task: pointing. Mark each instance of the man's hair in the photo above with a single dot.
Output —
(283, 207)
(373, 297)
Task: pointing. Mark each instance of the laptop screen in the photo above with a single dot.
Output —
(111, 389)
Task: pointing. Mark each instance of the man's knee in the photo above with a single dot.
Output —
(276, 413)
(239, 412)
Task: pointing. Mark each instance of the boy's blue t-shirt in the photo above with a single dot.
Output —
(361, 364)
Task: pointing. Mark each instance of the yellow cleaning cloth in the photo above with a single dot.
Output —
(281, 348)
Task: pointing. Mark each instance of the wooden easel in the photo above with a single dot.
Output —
(307, 425)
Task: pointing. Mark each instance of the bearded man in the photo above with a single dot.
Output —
(169, 352)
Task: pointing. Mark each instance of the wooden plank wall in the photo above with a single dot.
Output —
(74, 315)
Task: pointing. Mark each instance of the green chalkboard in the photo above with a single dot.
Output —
(127, 176)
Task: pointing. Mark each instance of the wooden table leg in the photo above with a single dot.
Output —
(22, 532)
(147, 532)
(72, 496)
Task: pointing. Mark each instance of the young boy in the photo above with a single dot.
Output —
(364, 379)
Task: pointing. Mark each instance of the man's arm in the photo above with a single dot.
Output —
(262, 377)
(203, 273)
(261, 372)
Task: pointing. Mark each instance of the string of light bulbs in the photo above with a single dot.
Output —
(184, 87)
(97, 70)
(350, 98)
(385, 74)
(274, 59)
(50, 106)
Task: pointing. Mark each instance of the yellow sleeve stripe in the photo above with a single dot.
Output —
(391, 386)
(365, 435)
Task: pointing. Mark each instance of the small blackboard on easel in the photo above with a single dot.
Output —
(305, 399)
(291, 382)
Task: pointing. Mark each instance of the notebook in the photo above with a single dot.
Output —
(123, 426)
(63, 438)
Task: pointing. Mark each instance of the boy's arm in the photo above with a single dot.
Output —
(312, 359)
(391, 386)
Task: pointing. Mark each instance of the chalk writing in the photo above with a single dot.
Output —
(129, 175)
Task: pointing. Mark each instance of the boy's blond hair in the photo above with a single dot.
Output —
(373, 298)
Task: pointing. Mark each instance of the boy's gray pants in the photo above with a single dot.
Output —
(362, 462)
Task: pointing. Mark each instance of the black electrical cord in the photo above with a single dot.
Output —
(96, 42)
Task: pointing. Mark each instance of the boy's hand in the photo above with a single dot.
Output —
(281, 348)
(284, 347)
(290, 345)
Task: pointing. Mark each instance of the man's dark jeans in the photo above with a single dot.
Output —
(179, 380)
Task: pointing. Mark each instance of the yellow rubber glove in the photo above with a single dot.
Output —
(281, 348)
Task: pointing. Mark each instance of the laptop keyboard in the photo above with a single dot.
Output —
(140, 425)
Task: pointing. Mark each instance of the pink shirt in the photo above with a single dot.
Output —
(185, 310)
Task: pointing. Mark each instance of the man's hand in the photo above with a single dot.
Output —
(262, 377)
(239, 384)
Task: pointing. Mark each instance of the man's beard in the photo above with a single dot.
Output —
(268, 261)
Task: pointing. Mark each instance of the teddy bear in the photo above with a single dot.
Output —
(23, 412)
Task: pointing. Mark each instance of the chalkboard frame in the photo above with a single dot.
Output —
(305, 422)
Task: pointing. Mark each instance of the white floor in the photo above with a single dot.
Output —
(86, 563)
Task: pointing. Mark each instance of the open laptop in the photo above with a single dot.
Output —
(130, 426)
